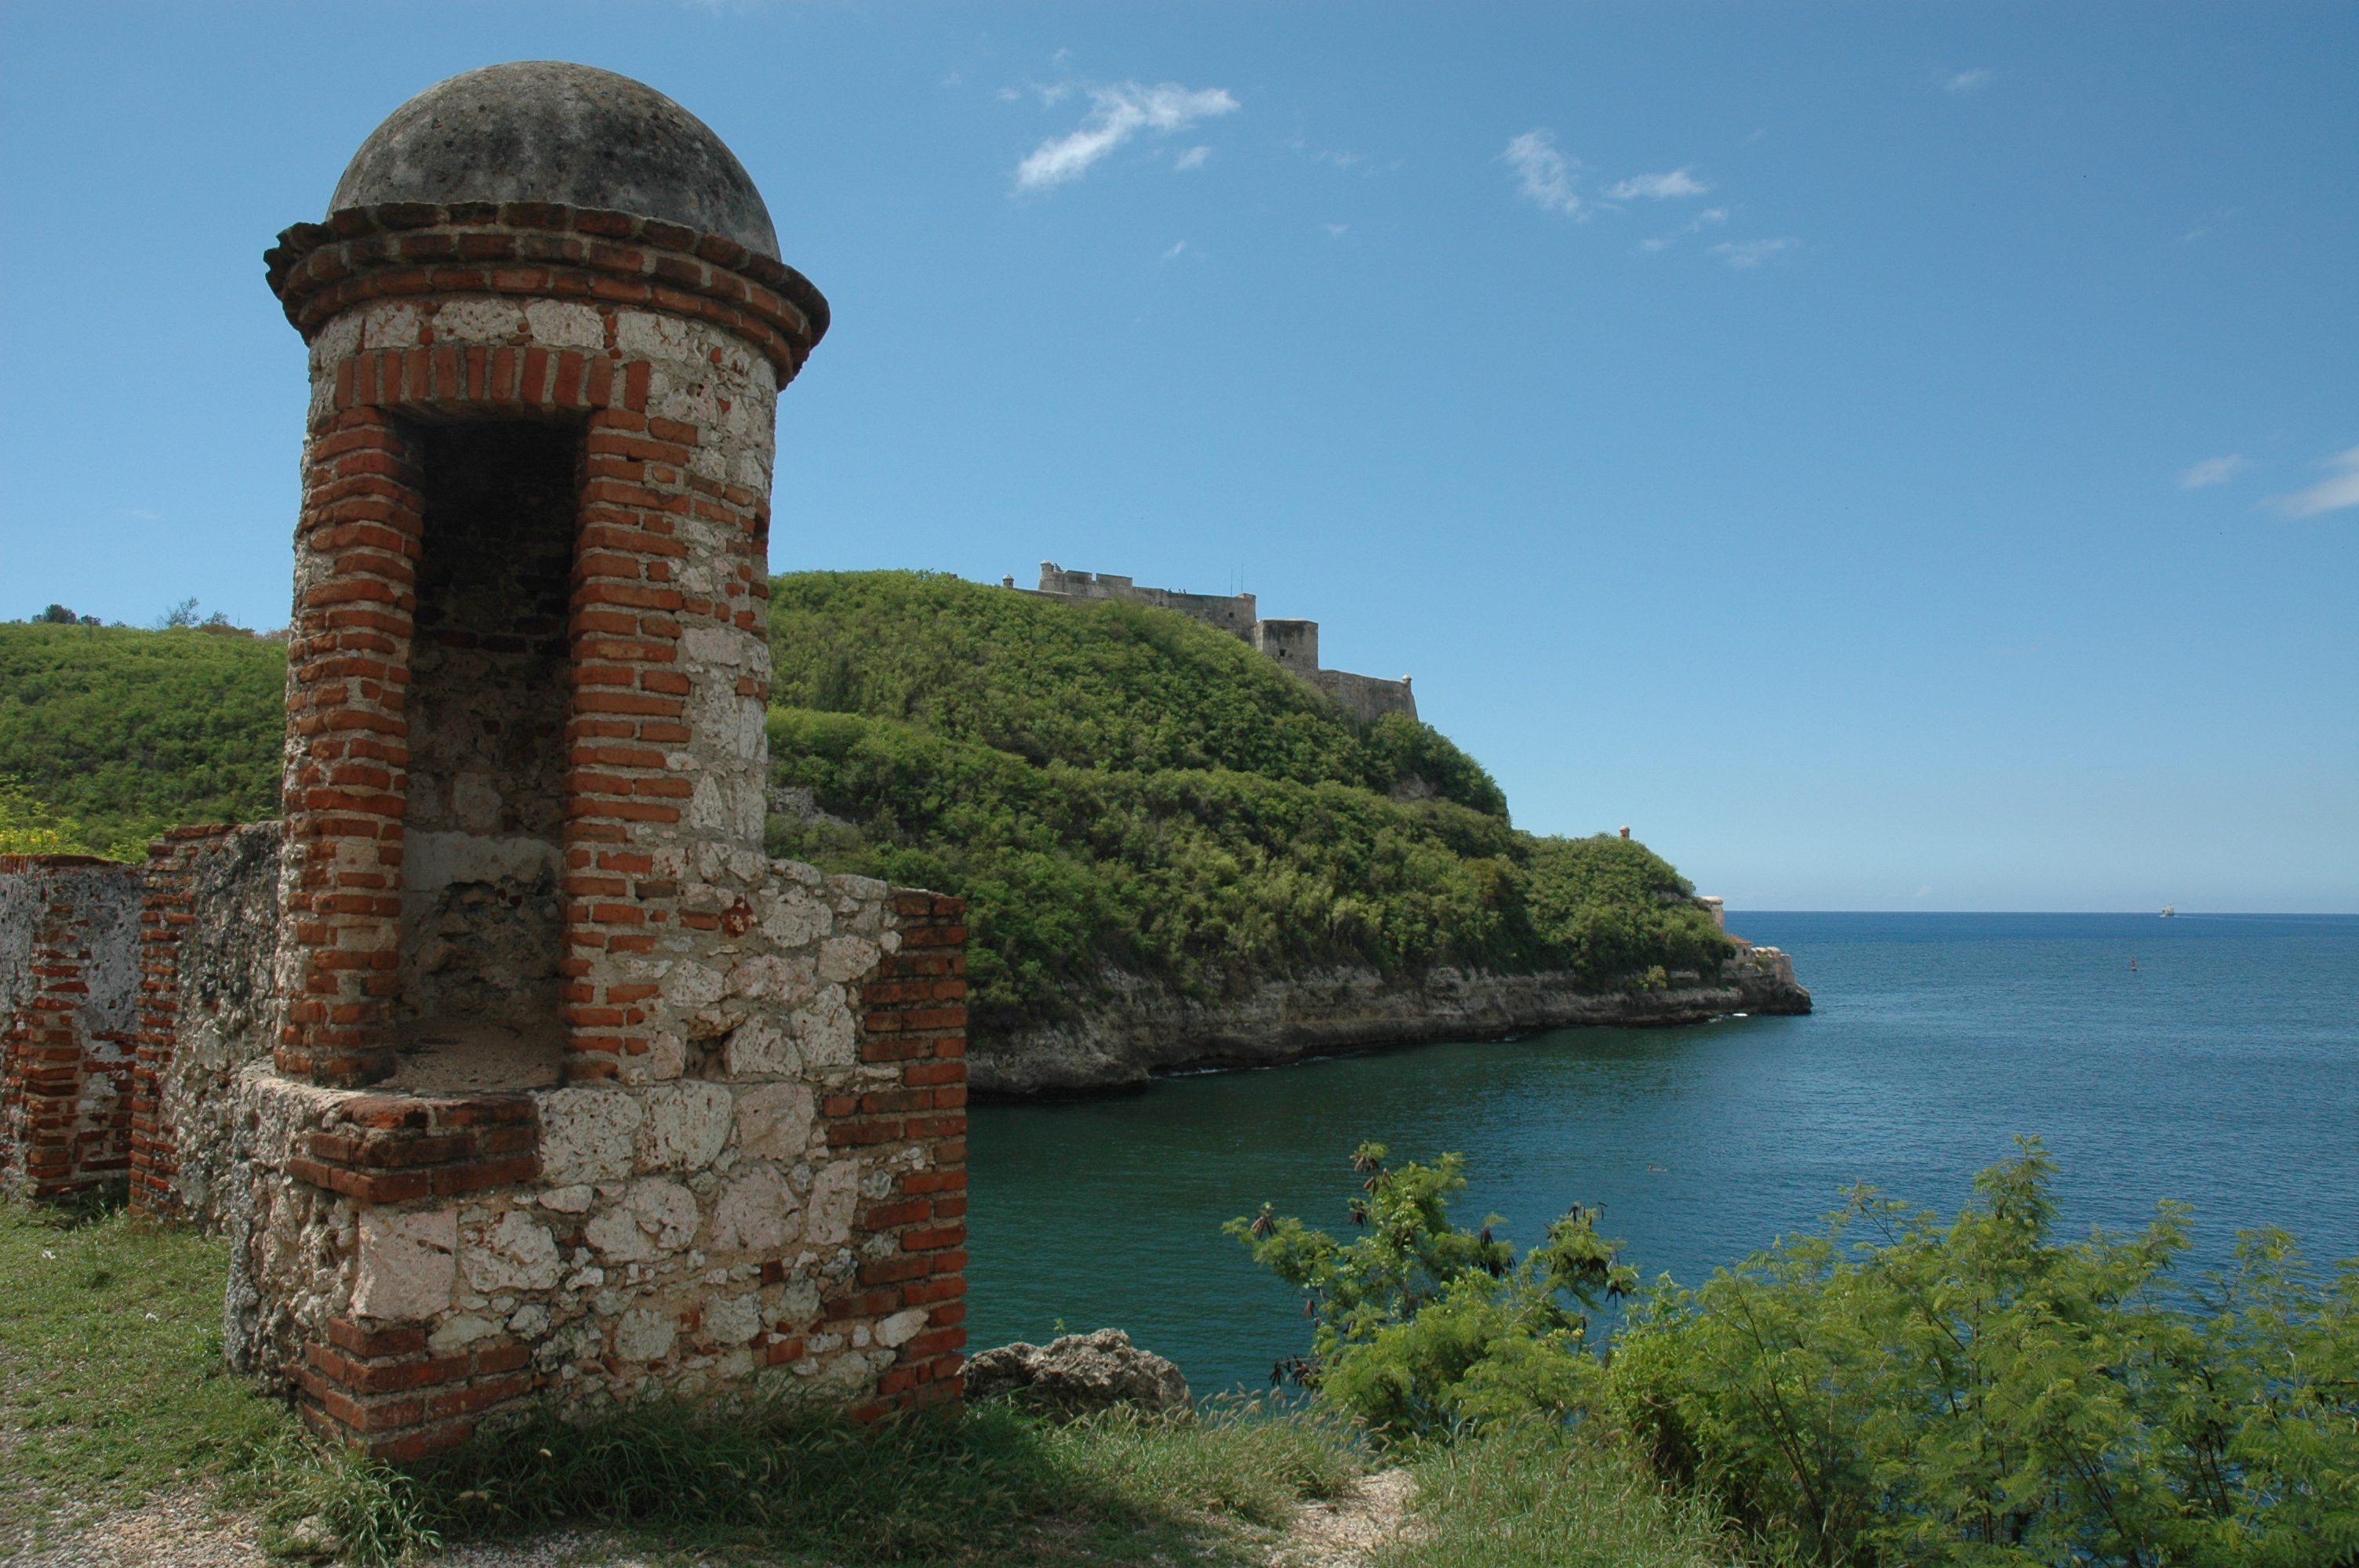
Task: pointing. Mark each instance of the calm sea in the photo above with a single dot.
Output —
(2223, 1070)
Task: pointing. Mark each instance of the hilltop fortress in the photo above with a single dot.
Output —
(1293, 643)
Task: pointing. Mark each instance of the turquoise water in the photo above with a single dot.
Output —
(2223, 1070)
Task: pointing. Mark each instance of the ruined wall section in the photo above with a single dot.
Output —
(69, 975)
(779, 1207)
(208, 937)
(1366, 698)
(1292, 645)
(1232, 612)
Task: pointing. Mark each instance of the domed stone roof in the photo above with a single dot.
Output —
(543, 130)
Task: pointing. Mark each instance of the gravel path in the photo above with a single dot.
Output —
(1346, 1531)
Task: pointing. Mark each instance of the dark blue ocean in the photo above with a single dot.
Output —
(2223, 1071)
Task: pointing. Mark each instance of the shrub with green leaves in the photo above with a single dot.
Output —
(1423, 1328)
(1901, 1390)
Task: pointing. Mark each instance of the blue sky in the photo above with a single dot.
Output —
(1899, 457)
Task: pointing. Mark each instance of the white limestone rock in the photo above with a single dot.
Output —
(512, 1253)
(775, 1120)
(834, 1197)
(756, 1212)
(685, 1126)
(587, 1135)
(825, 1030)
(408, 1263)
(645, 1335)
(732, 1320)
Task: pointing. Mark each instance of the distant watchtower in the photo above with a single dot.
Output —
(548, 325)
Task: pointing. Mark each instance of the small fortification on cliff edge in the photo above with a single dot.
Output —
(1293, 643)
(514, 1068)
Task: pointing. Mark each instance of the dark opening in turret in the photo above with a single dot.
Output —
(483, 911)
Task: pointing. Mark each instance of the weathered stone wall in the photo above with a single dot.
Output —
(780, 1208)
(1134, 1026)
(207, 938)
(1366, 698)
(69, 978)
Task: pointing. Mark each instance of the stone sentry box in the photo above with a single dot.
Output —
(572, 1094)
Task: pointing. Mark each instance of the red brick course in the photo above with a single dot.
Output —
(65, 1082)
(928, 1268)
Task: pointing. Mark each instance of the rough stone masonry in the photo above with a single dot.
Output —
(546, 1085)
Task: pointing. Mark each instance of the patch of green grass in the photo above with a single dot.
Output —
(990, 1484)
(1534, 1494)
(112, 1385)
(113, 1389)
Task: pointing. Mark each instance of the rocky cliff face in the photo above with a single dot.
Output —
(1136, 1027)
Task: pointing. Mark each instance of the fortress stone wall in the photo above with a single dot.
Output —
(1294, 644)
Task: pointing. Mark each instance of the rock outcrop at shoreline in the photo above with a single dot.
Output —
(1078, 1375)
(1136, 1027)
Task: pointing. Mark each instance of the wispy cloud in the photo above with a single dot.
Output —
(1544, 174)
(2214, 470)
(1175, 250)
(1337, 231)
(1744, 254)
(2337, 490)
(1710, 218)
(1659, 187)
(1193, 158)
(1117, 114)
(1970, 80)
(2209, 221)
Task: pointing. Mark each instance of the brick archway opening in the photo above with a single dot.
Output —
(482, 909)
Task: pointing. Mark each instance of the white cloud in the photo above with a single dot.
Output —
(1711, 216)
(2214, 470)
(1117, 115)
(1193, 158)
(1337, 231)
(1925, 891)
(1175, 250)
(1746, 254)
(1968, 80)
(1545, 174)
(2329, 494)
(1659, 187)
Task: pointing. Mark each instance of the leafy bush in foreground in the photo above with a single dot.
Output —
(1968, 1393)
(1423, 1328)
(1979, 1393)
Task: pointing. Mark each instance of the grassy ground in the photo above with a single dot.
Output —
(112, 1393)
(1534, 1497)
(111, 1379)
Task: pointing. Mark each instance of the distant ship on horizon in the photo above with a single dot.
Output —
(2168, 910)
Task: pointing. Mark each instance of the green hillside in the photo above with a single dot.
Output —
(122, 733)
(1105, 782)
(1113, 782)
